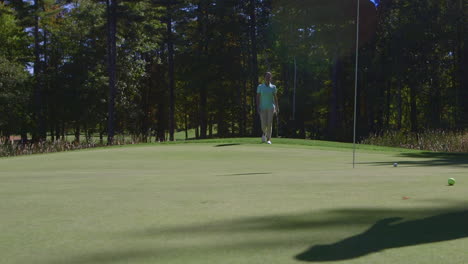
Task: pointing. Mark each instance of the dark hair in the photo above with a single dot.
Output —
(268, 73)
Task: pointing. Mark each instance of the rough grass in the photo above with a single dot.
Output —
(435, 140)
(13, 147)
(234, 201)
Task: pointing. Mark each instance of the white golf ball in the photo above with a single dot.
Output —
(395, 164)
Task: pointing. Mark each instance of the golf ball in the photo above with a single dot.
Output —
(451, 181)
(395, 164)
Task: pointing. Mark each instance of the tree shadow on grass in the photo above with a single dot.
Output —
(390, 233)
(448, 224)
(306, 221)
(127, 256)
(430, 159)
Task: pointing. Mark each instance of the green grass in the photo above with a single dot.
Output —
(234, 201)
(288, 142)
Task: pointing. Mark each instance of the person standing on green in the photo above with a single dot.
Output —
(267, 104)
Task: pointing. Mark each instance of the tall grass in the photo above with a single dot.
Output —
(10, 148)
(431, 140)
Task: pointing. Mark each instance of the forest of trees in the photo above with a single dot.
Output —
(153, 67)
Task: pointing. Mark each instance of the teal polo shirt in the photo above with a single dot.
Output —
(267, 96)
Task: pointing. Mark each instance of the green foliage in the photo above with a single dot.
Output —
(14, 88)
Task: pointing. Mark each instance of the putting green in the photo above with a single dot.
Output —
(234, 201)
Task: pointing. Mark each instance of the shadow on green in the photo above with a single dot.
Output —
(430, 159)
(433, 225)
(388, 233)
(227, 145)
(309, 221)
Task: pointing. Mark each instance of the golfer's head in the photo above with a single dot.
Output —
(268, 77)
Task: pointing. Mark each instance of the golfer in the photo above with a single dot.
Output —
(267, 104)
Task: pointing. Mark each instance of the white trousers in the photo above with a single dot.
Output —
(266, 118)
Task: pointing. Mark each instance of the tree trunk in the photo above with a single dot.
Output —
(24, 138)
(388, 102)
(112, 54)
(87, 133)
(145, 108)
(52, 136)
(244, 108)
(170, 47)
(45, 93)
(77, 133)
(436, 101)
(462, 64)
(38, 107)
(101, 132)
(334, 99)
(253, 55)
(63, 131)
(202, 50)
(400, 105)
(186, 123)
(203, 111)
(161, 124)
(221, 122)
(413, 113)
(239, 109)
(210, 124)
(57, 130)
(162, 99)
